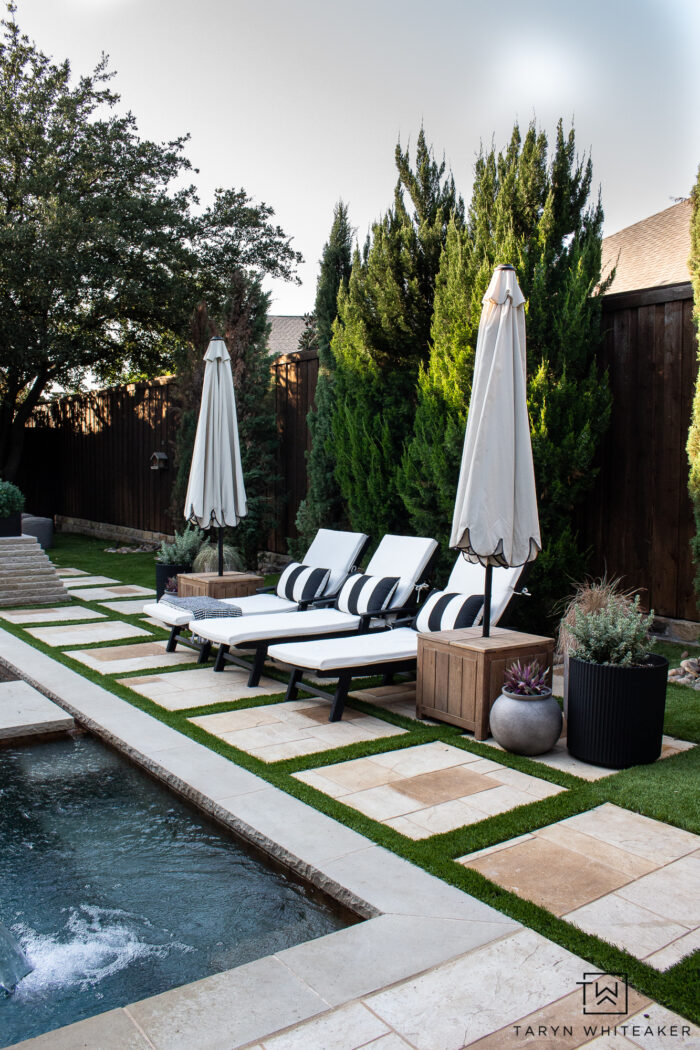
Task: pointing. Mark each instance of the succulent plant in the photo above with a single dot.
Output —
(526, 680)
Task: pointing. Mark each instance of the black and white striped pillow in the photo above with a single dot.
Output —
(446, 611)
(302, 583)
(366, 594)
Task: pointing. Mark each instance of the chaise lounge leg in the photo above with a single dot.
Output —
(204, 653)
(220, 662)
(388, 678)
(258, 664)
(172, 640)
(341, 695)
(294, 677)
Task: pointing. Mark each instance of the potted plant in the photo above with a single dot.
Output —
(616, 687)
(207, 559)
(525, 718)
(11, 507)
(178, 556)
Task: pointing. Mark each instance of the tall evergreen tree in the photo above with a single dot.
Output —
(537, 214)
(381, 337)
(323, 505)
(694, 432)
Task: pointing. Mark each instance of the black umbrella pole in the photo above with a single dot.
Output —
(486, 633)
(221, 552)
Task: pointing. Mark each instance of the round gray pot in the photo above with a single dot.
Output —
(526, 725)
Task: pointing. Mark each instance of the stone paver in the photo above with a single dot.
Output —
(88, 581)
(86, 633)
(49, 615)
(298, 727)
(559, 758)
(24, 711)
(130, 607)
(71, 572)
(618, 875)
(427, 789)
(399, 698)
(120, 659)
(179, 690)
(98, 594)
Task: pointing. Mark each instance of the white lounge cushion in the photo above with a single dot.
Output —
(250, 605)
(238, 630)
(337, 551)
(336, 654)
(405, 556)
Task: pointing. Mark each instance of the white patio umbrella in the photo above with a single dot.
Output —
(215, 492)
(495, 518)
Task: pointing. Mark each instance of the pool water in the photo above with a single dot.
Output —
(117, 890)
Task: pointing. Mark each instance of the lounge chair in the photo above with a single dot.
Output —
(403, 560)
(330, 549)
(394, 651)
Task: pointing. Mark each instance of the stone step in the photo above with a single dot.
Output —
(17, 570)
(43, 599)
(35, 583)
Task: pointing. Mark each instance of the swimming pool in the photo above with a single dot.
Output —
(117, 890)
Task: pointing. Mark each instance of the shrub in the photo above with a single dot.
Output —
(618, 633)
(11, 499)
(591, 596)
(207, 559)
(184, 548)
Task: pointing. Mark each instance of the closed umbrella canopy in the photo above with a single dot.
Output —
(495, 519)
(216, 493)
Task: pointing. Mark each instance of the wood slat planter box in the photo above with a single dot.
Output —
(211, 585)
(460, 673)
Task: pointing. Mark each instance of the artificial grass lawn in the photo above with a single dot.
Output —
(663, 791)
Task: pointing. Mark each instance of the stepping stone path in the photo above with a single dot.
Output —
(121, 659)
(178, 690)
(425, 790)
(27, 574)
(40, 615)
(618, 875)
(85, 633)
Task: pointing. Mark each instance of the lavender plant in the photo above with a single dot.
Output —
(526, 680)
(615, 634)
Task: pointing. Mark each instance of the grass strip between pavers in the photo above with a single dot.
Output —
(436, 854)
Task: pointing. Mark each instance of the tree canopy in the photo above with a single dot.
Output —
(102, 259)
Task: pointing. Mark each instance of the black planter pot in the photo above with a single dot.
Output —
(163, 574)
(615, 715)
(11, 525)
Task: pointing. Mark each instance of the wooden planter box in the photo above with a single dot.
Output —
(460, 673)
(211, 585)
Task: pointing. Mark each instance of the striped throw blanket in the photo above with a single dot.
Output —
(202, 608)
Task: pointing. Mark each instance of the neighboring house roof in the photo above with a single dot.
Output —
(285, 333)
(653, 252)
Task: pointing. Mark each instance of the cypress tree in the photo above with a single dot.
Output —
(323, 506)
(381, 337)
(536, 214)
(693, 446)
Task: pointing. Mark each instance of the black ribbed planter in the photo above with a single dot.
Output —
(11, 525)
(615, 715)
(163, 574)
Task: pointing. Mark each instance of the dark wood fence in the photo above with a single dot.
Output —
(639, 519)
(88, 456)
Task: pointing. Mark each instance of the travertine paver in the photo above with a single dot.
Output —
(98, 594)
(71, 572)
(88, 581)
(24, 711)
(178, 690)
(120, 659)
(427, 789)
(130, 607)
(49, 615)
(86, 633)
(298, 727)
(618, 875)
(399, 697)
(559, 758)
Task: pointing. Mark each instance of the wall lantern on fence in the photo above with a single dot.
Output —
(159, 461)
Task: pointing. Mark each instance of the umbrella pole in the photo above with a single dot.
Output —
(486, 632)
(221, 552)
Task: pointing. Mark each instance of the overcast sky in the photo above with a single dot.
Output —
(301, 102)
